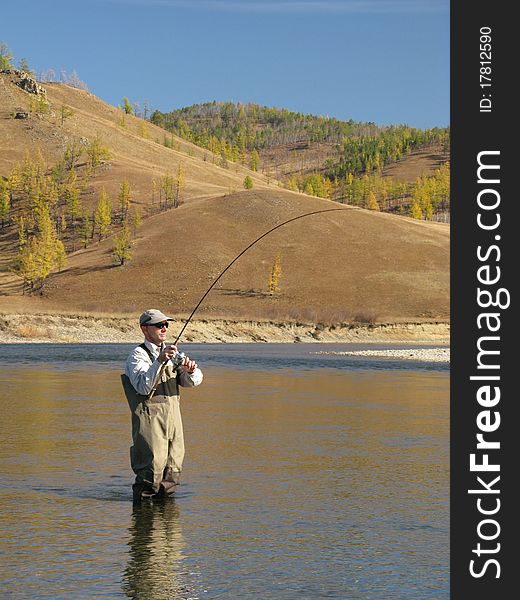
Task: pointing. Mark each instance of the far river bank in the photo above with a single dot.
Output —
(85, 329)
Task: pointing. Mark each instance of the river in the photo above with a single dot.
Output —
(306, 476)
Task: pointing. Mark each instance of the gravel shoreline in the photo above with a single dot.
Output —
(416, 354)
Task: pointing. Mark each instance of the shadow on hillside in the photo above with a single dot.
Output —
(243, 293)
(77, 271)
(10, 288)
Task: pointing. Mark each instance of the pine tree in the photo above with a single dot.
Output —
(292, 184)
(23, 65)
(97, 153)
(72, 198)
(275, 276)
(143, 131)
(135, 221)
(6, 58)
(180, 184)
(63, 224)
(65, 113)
(85, 230)
(61, 255)
(248, 182)
(103, 215)
(27, 269)
(41, 254)
(122, 249)
(5, 202)
(372, 203)
(127, 107)
(167, 186)
(415, 210)
(22, 236)
(124, 198)
(254, 163)
(154, 190)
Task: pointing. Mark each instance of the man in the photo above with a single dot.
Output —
(151, 383)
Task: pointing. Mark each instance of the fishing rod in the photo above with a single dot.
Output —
(315, 212)
(179, 356)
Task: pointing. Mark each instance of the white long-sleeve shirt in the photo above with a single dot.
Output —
(143, 373)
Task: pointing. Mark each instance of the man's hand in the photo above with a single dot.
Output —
(189, 365)
(167, 353)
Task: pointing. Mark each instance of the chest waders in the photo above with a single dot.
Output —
(158, 442)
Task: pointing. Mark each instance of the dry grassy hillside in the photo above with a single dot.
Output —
(338, 266)
(341, 266)
(136, 158)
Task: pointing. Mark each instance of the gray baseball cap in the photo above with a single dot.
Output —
(153, 316)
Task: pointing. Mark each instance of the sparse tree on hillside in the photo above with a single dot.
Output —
(415, 210)
(27, 270)
(167, 186)
(43, 253)
(121, 120)
(4, 202)
(48, 76)
(135, 221)
(372, 203)
(65, 113)
(97, 153)
(124, 198)
(254, 163)
(248, 182)
(180, 184)
(85, 230)
(143, 131)
(273, 284)
(23, 65)
(146, 108)
(127, 107)
(154, 190)
(22, 236)
(6, 58)
(62, 224)
(122, 249)
(103, 215)
(72, 154)
(72, 80)
(224, 161)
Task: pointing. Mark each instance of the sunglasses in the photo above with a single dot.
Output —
(159, 325)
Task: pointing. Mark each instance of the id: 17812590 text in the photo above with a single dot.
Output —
(485, 69)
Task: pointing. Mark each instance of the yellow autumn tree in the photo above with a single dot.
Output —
(103, 215)
(122, 248)
(273, 284)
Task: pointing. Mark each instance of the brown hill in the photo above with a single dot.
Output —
(138, 150)
(342, 266)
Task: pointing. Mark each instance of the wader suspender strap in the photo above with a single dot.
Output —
(159, 377)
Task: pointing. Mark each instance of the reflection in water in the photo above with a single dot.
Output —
(155, 553)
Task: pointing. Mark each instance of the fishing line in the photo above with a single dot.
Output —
(315, 212)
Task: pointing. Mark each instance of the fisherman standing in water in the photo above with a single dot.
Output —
(154, 371)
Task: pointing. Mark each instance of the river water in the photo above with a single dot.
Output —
(306, 476)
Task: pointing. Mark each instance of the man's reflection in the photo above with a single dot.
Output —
(156, 543)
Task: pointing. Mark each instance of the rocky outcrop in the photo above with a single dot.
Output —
(26, 82)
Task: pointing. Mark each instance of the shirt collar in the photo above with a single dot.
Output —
(152, 347)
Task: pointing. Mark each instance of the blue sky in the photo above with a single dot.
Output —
(385, 61)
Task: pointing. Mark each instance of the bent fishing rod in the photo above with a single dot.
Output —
(315, 212)
(179, 356)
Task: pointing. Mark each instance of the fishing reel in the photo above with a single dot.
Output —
(177, 359)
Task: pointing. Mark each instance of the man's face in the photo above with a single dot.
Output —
(155, 333)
